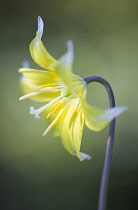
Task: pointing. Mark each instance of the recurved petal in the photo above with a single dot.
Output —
(68, 57)
(31, 80)
(64, 65)
(38, 52)
(97, 119)
(39, 77)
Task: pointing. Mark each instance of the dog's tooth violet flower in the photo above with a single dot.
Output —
(64, 94)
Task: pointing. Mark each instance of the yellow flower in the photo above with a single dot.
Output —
(64, 94)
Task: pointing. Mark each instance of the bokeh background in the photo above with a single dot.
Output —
(36, 172)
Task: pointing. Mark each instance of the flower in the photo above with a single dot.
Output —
(64, 94)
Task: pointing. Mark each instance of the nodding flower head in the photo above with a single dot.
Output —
(64, 96)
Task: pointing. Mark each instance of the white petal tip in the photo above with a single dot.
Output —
(70, 44)
(125, 108)
(84, 156)
(40, 26)
(110, 114)
(22, 77)
(25, 64)
(67, 59)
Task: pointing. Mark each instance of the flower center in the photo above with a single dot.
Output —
(65, 92)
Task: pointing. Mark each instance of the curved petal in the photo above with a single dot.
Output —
(92, 117)
(64, 65)
(38, 52)
(39, 77)
(34, 79)
(68, 121)
(97, 119)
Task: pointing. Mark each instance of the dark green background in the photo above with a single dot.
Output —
(36, 172)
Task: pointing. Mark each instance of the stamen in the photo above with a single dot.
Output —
(56, 119)
(56, 107)
(47, 89)
(28, 95)
(33, 111)
(36, 112)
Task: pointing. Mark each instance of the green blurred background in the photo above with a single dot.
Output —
(36, 172)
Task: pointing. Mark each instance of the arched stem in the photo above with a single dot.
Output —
(110, 142)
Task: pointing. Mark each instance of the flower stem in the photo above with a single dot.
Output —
(110, 142)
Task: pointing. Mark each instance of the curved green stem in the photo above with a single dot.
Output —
(110, 142)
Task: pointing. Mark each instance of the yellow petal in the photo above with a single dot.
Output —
(92, 114)
(40, 110)
(97, 119)
(32, 80)
(77, 131)
(64, 65)
(37, 49)
(71, 127)
(39, 53)
(93, 117)
(39, 77)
